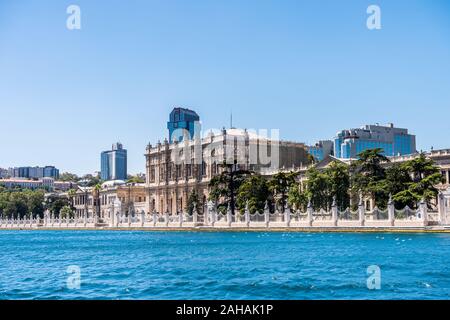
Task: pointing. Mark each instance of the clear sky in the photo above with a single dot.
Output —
(308, 68)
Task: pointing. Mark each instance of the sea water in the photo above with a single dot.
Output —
(222, 265)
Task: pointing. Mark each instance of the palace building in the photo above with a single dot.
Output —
(174, 170)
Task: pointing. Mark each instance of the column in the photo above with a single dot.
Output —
(155, 217)
(361, 211)
(117, 218)
(229, 216)
(247, 216)
(266, 215)
(111, 215)
(166, 218)
(391, 211)
(423, 211)
(287, 216)
(334, 213)
(441, 208)
(309, 211)
(181, 217)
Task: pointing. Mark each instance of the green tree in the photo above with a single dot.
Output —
(35, 202)
(318, 186)
(67, 176)
(425, 176)
(193, 200)
(224, 186)
(55, 203)
(16, 205)
(135, 179)
(254, 191)
(279, 186)
(297, 197)
(369, 175)
(66, 212)
(397, 182)
(339, 184)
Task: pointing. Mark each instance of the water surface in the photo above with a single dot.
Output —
(216, 265)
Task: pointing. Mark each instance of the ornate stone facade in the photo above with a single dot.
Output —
(174, 170)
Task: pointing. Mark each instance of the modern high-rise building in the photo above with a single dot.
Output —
(3, 173)
(394, 141)
(34, 172)
(183, 122)
(114, 163)
(321, 149)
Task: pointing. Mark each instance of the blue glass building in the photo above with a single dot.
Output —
(321, 149)
(393, 141)
(114, 163)
(35, 172)
(183, 122)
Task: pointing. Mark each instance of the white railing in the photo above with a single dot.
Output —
(388, 217)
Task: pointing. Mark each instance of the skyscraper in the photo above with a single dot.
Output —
(114, 163)
(183, 122)
(394, 141)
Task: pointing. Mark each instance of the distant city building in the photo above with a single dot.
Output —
(114, 163)
(34, 172)
(3, 173)
(321, 149)
(43, 183)
(393, 141)
(183, 122)
(113, 197)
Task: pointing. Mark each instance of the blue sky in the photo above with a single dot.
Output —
(308, 68)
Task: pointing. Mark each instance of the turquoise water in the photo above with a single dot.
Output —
(194, 265)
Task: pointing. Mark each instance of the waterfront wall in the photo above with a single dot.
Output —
(390, 217)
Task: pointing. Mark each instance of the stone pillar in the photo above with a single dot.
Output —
(391, 211)
(111, 218)
(247, 216)
(155, 217)
(166, 218)
(229, 216)
(287, 216)
(195, 216)
(211, 212)
(129, 217)
(266, 215)
(181, 217)
(117, 218)
(441, 208)
(85, 218)
(309, 211)
(361, 211)
(334, 212)
(205, 216)
(423, 211)
(142, 218)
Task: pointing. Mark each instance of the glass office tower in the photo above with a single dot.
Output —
(394, 141)
(183, 122)
(114, 163)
